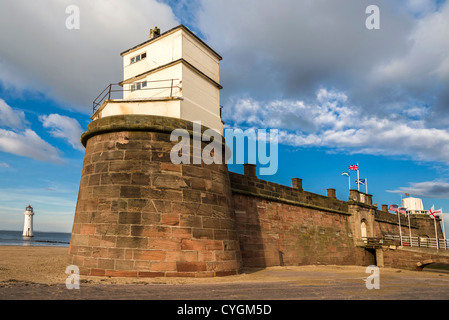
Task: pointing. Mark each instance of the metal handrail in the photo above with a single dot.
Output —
(419, 242)
(404, 241)
(106, 93)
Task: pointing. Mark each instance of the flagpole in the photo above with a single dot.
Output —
(399, 217)
(358, 178)
(408, 216)
(366, 185)
(349, 178)
(435, 224)
(436, 234)
(409, 229)
(444, 231)
(400, 231)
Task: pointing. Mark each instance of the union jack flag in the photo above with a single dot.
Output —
(354, 167)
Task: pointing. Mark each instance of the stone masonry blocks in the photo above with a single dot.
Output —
(140, 215)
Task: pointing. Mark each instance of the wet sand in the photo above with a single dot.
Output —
(39, 273)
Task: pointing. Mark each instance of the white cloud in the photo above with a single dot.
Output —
(28, 144)
(65, 128)
(4, 165)
(428, 57)
(25, 142)
(38, 52)
(11, 118)
(333, 123)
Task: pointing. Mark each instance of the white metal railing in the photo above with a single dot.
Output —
(419, 242)
(169, 85)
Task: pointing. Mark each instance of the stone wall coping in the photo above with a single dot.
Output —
(288, 201)
(128, 122)
(361, 204)
(264, 189)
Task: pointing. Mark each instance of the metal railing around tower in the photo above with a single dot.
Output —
(168, 85)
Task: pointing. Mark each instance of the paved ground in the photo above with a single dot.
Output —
(283, 284)
(39, 274)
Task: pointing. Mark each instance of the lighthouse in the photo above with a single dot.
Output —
(138, 213)
(28, 225)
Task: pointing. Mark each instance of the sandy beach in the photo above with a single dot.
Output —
(40, 272)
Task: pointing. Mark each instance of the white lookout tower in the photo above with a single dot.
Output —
(172, 74)
(28, 225)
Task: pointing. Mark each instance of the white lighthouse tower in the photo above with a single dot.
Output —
(28, 225)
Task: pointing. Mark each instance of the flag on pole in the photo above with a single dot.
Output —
(349, 178)
(393, 207)
(356, 168)
(432, 211)
(442, 224)
(402, 210)
(360, 181)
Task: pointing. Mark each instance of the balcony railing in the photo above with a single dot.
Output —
(112, 90)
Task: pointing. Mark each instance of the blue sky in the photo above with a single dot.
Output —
(339, 94)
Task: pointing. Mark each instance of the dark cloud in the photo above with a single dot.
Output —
(291, 49)
(39, 53)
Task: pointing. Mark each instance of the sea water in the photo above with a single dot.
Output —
(15, 238)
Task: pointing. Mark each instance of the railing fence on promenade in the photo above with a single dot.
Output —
(419, 242)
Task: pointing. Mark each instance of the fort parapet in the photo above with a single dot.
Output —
(281, 225)
(139, 214)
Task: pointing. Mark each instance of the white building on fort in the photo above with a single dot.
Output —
(414, 206)
(173, 74)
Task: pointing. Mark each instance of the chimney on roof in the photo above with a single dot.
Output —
(154, 33)
(332, 193)
(250, 170)
(297, 183)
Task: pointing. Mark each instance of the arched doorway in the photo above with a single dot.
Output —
(363, 230)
